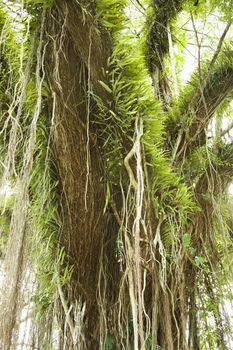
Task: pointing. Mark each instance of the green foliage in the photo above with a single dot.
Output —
(111, 14)
(37, 4)
(48, 259)
(6, 205)
(222, 7)
(9, 56)
(110, 343)
(47, 256)
(51, 268)
(182, 112)
(186, 240)
(4, 232)
(132, 96)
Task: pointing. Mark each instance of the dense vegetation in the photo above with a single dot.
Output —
(116, 162)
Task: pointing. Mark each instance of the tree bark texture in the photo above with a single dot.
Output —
(78, 162)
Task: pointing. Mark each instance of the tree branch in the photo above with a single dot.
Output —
(158, 45)
(199, 107)
(219, 174)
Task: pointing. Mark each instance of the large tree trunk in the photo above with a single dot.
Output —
(78, 162)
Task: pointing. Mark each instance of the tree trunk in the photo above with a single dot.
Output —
(81, 173)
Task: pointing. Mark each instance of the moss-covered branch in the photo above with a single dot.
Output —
(218, 175)
(187, 127)
(158, 43)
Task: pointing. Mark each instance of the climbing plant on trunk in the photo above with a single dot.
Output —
(121, 228)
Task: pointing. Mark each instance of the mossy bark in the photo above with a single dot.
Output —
(79, 166)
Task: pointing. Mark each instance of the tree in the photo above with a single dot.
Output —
(121, 229)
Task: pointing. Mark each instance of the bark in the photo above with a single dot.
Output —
(92, 42)
(194, 341)
(81, 174)
(165, 338)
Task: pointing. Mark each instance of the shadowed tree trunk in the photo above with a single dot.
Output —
(80, 169)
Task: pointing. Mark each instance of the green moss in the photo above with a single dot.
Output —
(37, 4)
(132, 96)
(159, 15)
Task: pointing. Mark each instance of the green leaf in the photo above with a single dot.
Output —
(105, 86)
(199, 260)
(186, 239)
